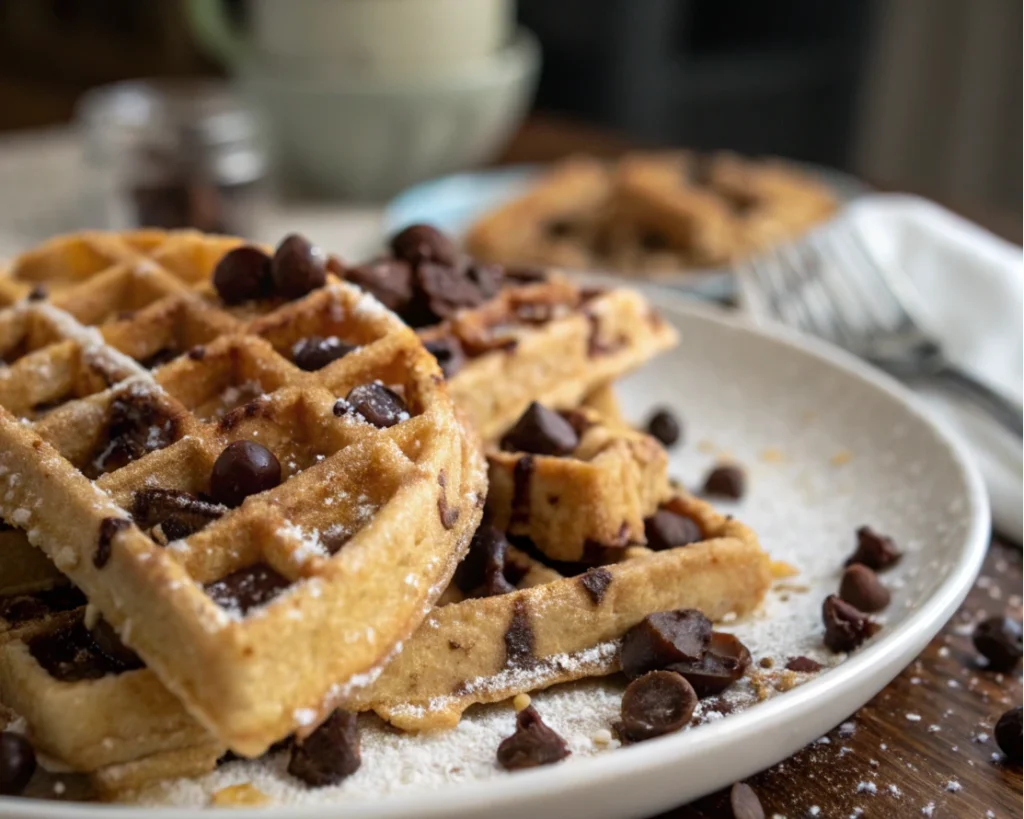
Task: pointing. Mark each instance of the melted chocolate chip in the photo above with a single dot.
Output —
(804, 665)
(17, 763)
(298, 267)
(655, 704)
(724, 661)
(177, 514)
(596, 582)
(247, 588)
(522, 477)
(744, 802)
(860, 587)
(27, 607)
(846, 627)
(519, 638)
(70, 654)
(874, 550)
(666, 529)
(244, 468)
(661, 639)
(377, 405)
(389, 280)
(541, 431)
(136, 426)
(314, 353)
(330, 754)
(423, 243)
(482, 571)
(109, 527)
(110, 646)
(242, 274)
(726, 481)
(533, 743)
(998, 639)
(664, 426)
(1008, 734)
(449, 354)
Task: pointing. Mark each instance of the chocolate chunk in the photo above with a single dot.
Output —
(242, 274)
(17, 763)
(1008, 734)
(388, 280)
(423, 243)
(846, 627)
(664, 638)
(110, 646)
(70, 654)
(724, 661)
(440, 292)
(330, 753)
(244, 468)
(533, 743)
(482, 571)
(998, 639)
(315, 353)
(522, 478)
(744, 802)
(860, 587)
(298, 267)
(519, 638)
(177, 514)
(542, 432)
(596, 582)
(804, 665)
(664, 426)
(376, 404)
(726, 481)
(27, 607)
(245, 589)
(656, 703)
(109, 527)
(136, 426)
(666, 529)
(449, 354)
(874, 550)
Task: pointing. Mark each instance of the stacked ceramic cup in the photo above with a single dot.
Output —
(364, 97)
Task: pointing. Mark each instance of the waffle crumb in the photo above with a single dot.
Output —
(521, 702)
(241, 795)
(781, 569)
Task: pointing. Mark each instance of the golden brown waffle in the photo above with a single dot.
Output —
(243, 619)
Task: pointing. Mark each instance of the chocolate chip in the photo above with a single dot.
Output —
(109, 644)
(136, 426)
(177, 514)
(244, 468)
(70, 654)
(533, 743)
(482, 571)
(655, 704)
(542, 432)
(519, 638)
(245, 589)
(744, 802)
(1008, 734)
(109, 527)
(596, 582)
(298, 267)
(666, 529)
(998, 639)
(449, 354)
(423, 243)
(846, 626)
(376, 404)
(726, 481)
(874, 550)
(804, 665)
(388, 280)
(522, 478)
(861, 587)
(315, 353)
(330, 753)
(440, 292)
(724, 661)
(664, 638)
(449, 514)
(37, 293)
(664, 426)
(487, 277)
(17, 763)
(242, 274)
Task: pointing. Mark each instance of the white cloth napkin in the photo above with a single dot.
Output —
(971, 285)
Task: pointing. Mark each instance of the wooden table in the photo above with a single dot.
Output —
(925, 740)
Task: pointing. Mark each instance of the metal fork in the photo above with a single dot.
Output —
(830, 285)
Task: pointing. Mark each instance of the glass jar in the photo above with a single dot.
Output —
(172, 155)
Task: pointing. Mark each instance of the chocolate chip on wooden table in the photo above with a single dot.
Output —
(657, 703)
(803, 664)
(448, 352)
(247, 588)
(533, 743)
(666, 529)
(725, 481)
(423, 243)
(17, 763)
(846, 626)
(330, 754)
(664, 426)
(541, 431)
(388, 280)
(998, 640)
(874, 550)
(861, 587)
(244, 468)
(723, 662)
(298, 267)
(664, 638)
(1008, 734)
(744, 802)
(243, 274)
(316, 352)
(376, 404)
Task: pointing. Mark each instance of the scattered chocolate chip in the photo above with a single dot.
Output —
(998, 640)
(482, 571)
(449, 354)
(532, 744)
(596, 582)
(542, 432)
(519, 638)
(70, 654)
(666, 529)
(804, 665)
(315, 353)
(423, 243)
(1008, 734)
(664, 426)
(242, 274)
(37, 293)
(724, 661)
(178, 514)
(846, 626)
(244, 468)
(246, 588)
(860, 587)
(522, 478)
(726, 481)
(298, 267)
(656, 703)
(136, 426)
(664, 638)
(388, 280)
(109, 527)
(874, 550)
(376, 404)
(109, 644)
(441, 291)
(330, 754)
(17, 763)
(744, 802)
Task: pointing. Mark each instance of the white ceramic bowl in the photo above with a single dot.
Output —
(361, 140)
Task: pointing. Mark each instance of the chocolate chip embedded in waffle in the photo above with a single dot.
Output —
(352, 562)
(579, 505)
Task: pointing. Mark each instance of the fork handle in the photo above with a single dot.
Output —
(1003, 410)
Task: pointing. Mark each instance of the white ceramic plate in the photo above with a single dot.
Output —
(829, 445)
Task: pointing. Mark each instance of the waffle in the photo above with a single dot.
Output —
(106, 454)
